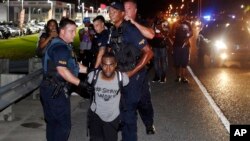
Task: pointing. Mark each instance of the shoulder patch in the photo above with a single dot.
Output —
(142, 42)
(62, 62)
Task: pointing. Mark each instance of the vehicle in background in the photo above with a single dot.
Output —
(4, 32)
(78, 22)
(224, 41)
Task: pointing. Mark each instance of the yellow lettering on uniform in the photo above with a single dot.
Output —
(142, 42)
(62, 62)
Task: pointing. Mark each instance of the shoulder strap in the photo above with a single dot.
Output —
(120, 81)
(95, 77)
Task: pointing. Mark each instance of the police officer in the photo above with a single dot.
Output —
(101, 39)
(60, 71)
(132, 52)
(181, 49)
(145, 107)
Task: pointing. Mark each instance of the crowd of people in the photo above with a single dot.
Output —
(115, 61)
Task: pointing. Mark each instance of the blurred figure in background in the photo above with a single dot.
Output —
(100, 40)
(159, 44)
(51, 31)
(181, 49)
(86, 35)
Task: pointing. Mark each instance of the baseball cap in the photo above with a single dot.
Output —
(86, 20)
(117, 5)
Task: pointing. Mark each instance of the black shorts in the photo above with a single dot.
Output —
(181, 56)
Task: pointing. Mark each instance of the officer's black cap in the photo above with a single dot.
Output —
(117, 5)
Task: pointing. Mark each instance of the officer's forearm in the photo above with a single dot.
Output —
(99, 57)
(147, 55)
(145, 31)
(67, 75)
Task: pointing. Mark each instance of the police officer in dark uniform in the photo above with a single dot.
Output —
(60, 71)
(145, 108)
(100, 40)
(133, 53)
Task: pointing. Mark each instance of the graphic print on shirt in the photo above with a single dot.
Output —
(105, 93)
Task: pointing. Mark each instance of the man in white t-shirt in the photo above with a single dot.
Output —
(104, 110)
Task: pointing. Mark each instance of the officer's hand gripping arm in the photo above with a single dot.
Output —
(86, 89)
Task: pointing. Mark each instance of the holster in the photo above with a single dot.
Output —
(58, 86)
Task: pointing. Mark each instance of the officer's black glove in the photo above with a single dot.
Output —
(86, 89)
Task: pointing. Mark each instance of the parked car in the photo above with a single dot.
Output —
(4, 32)
(225, 41)
(14, 31)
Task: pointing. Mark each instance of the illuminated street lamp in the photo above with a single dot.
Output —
(69, 10)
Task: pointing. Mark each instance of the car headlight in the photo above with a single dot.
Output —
(223, 56)
(219, 44)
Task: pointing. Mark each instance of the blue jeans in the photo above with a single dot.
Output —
(160, 62)
(56, 113)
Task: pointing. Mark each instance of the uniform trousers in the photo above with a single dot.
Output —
(131, 96)
(56, 113)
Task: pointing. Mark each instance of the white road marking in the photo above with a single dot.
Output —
(217, 110)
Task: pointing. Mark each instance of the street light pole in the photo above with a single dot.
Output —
(22, 4)
(79, 5)
(69, 10)
(51, 8)
(199, 8)
(8, 11)
(83, 11)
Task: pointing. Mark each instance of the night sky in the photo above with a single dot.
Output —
(150, 7)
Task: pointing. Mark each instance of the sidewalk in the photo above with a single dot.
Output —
(181, 114)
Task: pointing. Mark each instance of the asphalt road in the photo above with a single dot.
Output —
(229, 87)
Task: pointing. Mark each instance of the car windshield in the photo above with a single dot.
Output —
(235, 32)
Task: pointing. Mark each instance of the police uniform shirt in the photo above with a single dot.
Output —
(102, 39)
(63, 55)
(132, 36)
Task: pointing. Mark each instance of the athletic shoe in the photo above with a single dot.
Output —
(178, 79)
(163, 80)
(184, 80)
(156, 79)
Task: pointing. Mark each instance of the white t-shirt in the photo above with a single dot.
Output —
(107, 100)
